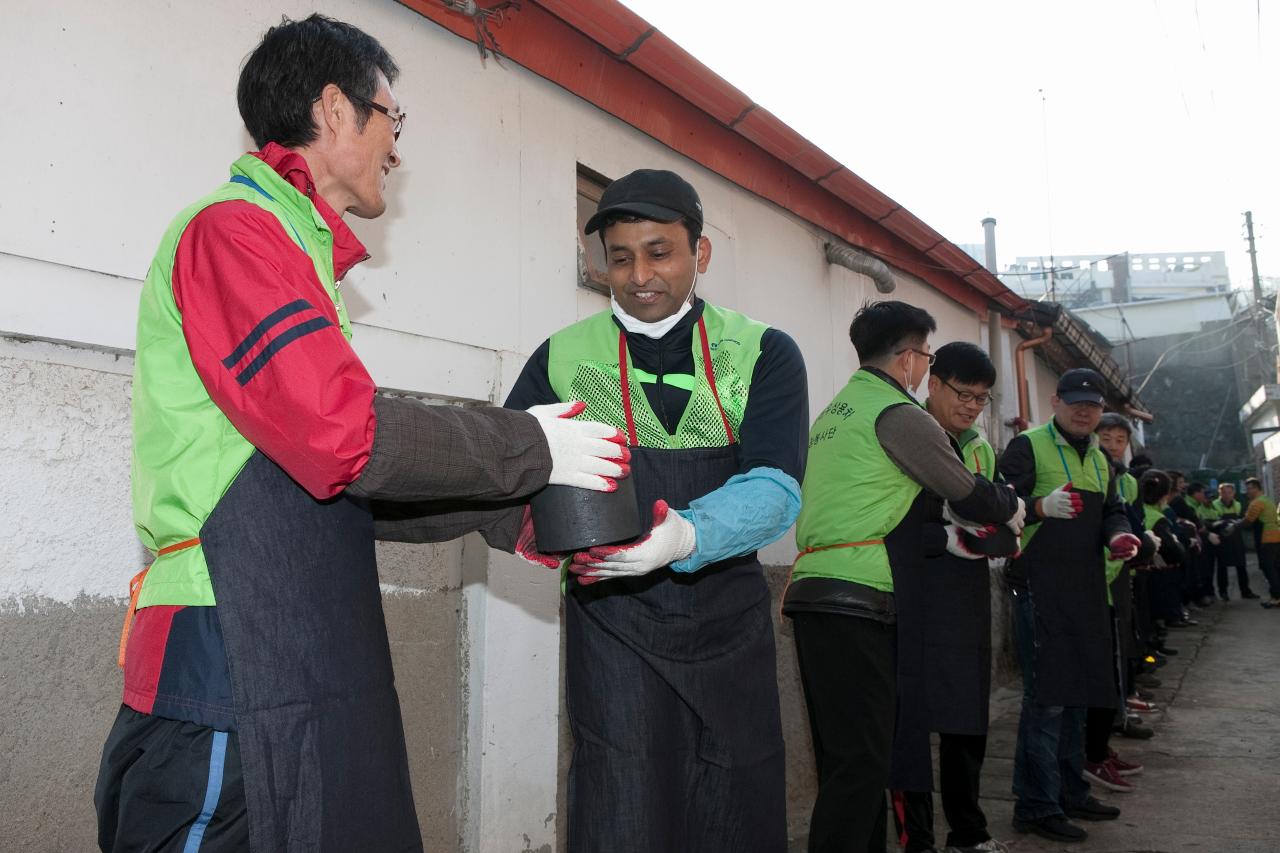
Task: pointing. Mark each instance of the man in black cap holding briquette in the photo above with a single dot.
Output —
(669, 668)
(1062, 629)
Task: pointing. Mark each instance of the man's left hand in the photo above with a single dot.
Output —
(671, 539)
(956, 546)
(527, 546)
(1124, 546)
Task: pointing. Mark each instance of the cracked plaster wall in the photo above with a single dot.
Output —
(67, 551)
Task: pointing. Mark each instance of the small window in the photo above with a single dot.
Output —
(1204, 259)
(591, 259)
(1102, 266)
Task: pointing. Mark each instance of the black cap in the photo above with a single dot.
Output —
(650, 194)
(1081, 385)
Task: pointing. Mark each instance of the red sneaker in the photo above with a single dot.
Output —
(1124, 768)
(1105, 775)
(1142, 707)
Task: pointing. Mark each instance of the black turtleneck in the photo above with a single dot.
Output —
(775, 427)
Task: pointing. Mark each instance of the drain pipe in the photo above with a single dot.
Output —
(1020, 368)
(861, 262)
(1134, 412)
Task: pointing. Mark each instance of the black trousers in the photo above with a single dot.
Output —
(959, 775)
(166, 786)
(1269, 562)
(848, 669)
(1097, 734)
(1225, 560)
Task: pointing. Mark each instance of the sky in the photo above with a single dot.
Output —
(1147, 126)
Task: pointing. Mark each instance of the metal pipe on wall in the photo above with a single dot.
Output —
(860, 262)
(1020, 368)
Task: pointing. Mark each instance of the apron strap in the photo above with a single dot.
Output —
(626, 389)
(791, 574)
(711, 378)
(711, 383)
(807, 551)
(135, 588)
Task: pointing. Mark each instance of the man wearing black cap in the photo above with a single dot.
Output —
(1062, 628)
(669, 670)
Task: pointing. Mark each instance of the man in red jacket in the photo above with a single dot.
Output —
(259, 708)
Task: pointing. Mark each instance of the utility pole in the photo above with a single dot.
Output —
(1267, 368)
(1253, 258)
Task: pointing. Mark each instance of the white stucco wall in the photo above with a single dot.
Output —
(473, 265)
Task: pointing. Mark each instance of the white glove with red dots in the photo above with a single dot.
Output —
(586, 454)
(672, 538)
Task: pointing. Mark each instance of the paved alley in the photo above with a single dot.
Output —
(1212, 780)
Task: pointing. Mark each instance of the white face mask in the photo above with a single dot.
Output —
(658, 328)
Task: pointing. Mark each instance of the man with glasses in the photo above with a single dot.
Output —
(259, 709)
(944, 636)
(1062, 625)
(879, 471)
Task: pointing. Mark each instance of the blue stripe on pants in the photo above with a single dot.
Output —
(217, 763)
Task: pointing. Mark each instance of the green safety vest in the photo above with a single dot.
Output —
(1206, 512)
(582, 364)
(1058, 463)
(853, 494)
(1236, 510)
(1127, 490)
(978, 454)
(186, 453)
(1152, 515)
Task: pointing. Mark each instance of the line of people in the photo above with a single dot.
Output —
(889, 593)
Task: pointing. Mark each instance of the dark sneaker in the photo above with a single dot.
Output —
(1204, 601)
(1224, 596)
(1107, 776)
(1248, 593)
(1137, 731)
(1055, 827)
(1124, 768)
(1147, 680)
(1091, 809)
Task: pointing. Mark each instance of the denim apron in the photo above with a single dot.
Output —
(1067, 584)
(672, 693)
(321, 741)
(944, 644)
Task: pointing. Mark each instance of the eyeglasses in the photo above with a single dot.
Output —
(397, 119)
(928, 355)
(967, 396)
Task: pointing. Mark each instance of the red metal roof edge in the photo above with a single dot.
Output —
(614, 59)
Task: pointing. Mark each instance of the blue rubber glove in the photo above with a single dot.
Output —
(748, 512)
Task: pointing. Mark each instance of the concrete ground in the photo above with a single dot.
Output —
(1212, 777)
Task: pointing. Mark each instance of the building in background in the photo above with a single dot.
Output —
(1078, 281)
